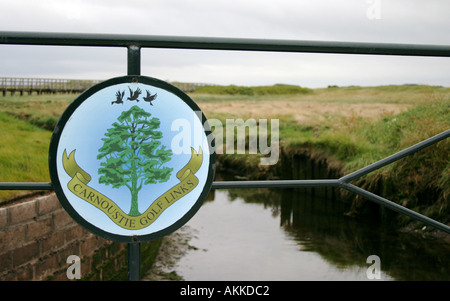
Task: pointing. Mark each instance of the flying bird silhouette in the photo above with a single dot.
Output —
(134, 95)
(119, 97)
(149, 98)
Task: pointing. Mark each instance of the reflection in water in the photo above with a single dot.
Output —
(261, 234)
(319, 226)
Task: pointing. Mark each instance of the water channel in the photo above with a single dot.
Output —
(279, 234)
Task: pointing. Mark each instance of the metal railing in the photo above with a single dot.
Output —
(43, 85)
(134, 43)
(59, 85)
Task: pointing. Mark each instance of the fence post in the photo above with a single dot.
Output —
(134, 248)
(134, 60)
(134, 261)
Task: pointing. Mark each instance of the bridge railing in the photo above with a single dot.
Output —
(134, 43)
(43, 85)
(51, 85)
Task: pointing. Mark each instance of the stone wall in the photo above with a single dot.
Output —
(37, 236)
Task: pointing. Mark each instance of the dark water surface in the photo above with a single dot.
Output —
(261, 234)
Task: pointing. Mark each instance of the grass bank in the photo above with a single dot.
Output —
(26, 123)
(23, 154)
(420, 181)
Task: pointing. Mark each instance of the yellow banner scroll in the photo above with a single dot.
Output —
(79, 186)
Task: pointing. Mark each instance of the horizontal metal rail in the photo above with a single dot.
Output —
(240, 44)
(274, 184)
(215, 185)
(135, 42)
(26, 186)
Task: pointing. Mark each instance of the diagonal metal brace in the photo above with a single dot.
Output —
(396, 207)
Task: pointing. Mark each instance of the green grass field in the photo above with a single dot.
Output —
(23, 153)
(354, 126)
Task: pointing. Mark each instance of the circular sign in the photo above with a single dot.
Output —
(132, 159)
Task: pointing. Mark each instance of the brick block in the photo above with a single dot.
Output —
(5, 261)
(46, 267)
(25, 254)
(24, 273)
(62, 219)
(39, 228)
(89, 245)
(3, 217)
(76, 232)
(52, 243)
(12, 237)
(22, 212)
(47, 204)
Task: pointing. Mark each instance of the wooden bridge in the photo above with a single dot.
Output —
(43, 85)
(40, 86)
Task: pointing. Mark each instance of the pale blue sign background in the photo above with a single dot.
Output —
(87, 126)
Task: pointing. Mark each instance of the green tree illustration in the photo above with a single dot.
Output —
(133, 154)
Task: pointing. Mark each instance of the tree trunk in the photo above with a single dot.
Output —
(134, 211)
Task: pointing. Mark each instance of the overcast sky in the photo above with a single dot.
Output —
(387, 21)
